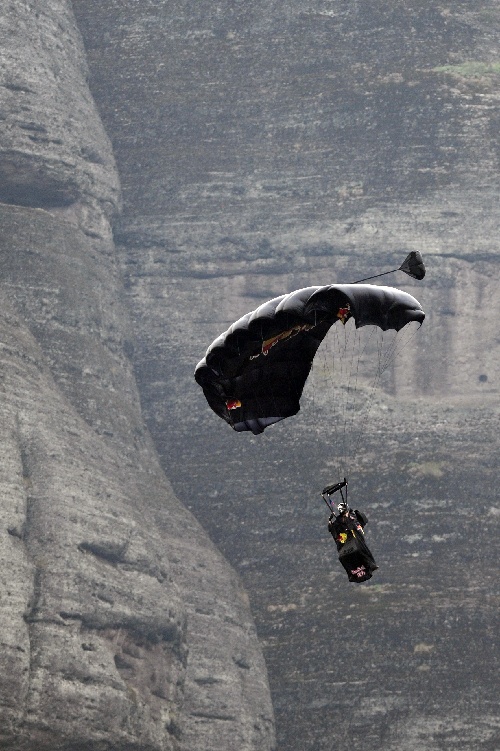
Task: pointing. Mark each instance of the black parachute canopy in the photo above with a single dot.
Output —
(253, 374)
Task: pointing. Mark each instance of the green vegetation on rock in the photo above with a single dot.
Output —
(470, 69)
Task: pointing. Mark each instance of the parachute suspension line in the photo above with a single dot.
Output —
(345, 371)
(351, 344)
(360, 399)
(333, 372)
(312, 372)
(353, 386)
(344, 500)
(351, 357)
(373, 385)
(352, 362)
(343, 393)
(322, 383)
(385, 358)
(339, 372)
(402, 340)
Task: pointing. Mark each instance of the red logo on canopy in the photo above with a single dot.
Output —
(344, 314)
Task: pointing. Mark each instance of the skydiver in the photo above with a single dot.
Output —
(354, 554)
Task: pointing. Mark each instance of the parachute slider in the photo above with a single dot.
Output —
(331, 489)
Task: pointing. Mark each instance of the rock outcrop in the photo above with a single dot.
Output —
(260, 147)
(266, 146)
(123, 626)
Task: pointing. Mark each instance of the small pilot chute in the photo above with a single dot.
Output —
(413, 265)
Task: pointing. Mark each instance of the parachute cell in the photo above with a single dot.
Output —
(253, 375)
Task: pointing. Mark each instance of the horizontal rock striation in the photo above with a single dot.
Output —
(54, 152)
(123, 627)
(267, 146)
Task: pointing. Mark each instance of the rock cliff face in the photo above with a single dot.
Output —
(260, 147)
(122, 625)
(266, 146)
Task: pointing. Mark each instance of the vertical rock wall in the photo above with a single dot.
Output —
(122, 625)
(270, 145)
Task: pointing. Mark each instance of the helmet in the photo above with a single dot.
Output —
(342, 507)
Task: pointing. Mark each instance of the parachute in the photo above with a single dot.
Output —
(253, 374)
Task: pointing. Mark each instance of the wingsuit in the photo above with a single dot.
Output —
(354, 554)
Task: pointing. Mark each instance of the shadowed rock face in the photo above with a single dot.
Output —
(122, 625)
(266, 146)
(54, 151)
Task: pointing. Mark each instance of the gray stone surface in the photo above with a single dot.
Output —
(54, 150)
(295, 143)
(260, 147)
(122, 625)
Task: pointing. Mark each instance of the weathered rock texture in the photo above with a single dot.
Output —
(122, 625)
(265, 146)
(261, 147)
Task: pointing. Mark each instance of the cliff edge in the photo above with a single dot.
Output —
(123, 626)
